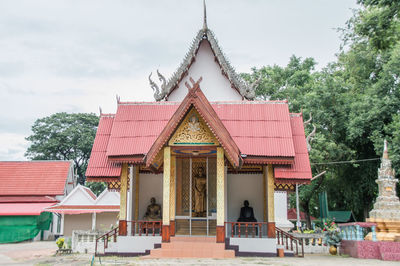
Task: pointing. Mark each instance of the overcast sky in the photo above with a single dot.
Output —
(74, 56)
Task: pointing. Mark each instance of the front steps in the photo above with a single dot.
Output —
(191, 247)
(199, 227)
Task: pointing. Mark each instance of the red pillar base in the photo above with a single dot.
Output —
(165, 233)
(172, 228)
(220, 234)
(271, 229)
(122, 228)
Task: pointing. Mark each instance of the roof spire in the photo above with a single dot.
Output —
(205, 16)
(385, 150)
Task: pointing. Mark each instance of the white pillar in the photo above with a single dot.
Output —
(62, 224)
(93, 221)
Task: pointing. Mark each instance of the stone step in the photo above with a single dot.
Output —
(192, 247)
(191, 253)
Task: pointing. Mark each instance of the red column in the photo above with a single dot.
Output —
(271, 230)
(220, 234)
(172, 228)
(165, 233)
(122, 228)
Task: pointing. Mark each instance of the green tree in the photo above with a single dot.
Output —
(64, 136)
(96, 187)
(355, 103)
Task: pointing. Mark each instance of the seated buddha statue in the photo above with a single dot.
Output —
(246, 213)
(153, 212)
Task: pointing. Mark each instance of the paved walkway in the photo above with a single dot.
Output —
(42, 253)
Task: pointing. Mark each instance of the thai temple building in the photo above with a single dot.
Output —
(205, 161)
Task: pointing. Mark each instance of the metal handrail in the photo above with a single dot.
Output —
(283, 237)
(105, 237)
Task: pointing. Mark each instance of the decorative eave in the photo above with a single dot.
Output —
(247, 91)
(292, 181)
(139, 159)
(195, 98)
(268, 160)
(102, 179)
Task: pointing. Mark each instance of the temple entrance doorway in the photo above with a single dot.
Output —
(196, 210)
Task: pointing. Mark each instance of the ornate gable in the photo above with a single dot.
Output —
(193, 131)
(195, 100)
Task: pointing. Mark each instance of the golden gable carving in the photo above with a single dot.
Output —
(193, 131)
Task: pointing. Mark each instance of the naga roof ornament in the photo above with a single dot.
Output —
(246, 90)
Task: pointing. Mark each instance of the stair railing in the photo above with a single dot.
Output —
(105, 238)
(290, 242)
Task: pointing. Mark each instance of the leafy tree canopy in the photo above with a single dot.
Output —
(64, 136)
(355, 105)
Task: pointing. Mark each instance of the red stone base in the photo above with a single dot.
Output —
(383, 250)
(122, 228)
(172, 227)
(220, 234)
(271, 229)
(165, 234)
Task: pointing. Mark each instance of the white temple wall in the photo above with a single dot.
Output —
(106, 220)
(243, 187)
(150, 185)
(281, 207)
(77, 222)
(215, 86)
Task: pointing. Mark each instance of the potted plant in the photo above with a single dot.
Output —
(332, 236)
(60, 242)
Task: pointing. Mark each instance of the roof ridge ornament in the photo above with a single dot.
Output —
(159, 94)
(195, 85)
(204, 17)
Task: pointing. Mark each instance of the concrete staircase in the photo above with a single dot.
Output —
(191, 247)
(199, 227)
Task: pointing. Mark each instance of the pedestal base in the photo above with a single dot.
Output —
(386, 230)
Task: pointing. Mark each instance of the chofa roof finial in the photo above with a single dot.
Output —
(205, 16)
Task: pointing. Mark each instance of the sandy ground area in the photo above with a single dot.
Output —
(43, 253)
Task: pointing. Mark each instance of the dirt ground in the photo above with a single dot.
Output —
(43, 253)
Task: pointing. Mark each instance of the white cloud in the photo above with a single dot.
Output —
(74, 56)
(12, 147)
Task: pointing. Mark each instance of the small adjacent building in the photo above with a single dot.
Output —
(82, 210)
(26, 190)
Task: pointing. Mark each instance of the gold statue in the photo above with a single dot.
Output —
(153, 212)
(200, 184)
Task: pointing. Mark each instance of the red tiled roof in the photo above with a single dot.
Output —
(27, 199)
(99, 165)
(258, 128)
(292, 215)
(23, 208)
(78, 209)
(300, 169)
(33, 178)
(196, 99)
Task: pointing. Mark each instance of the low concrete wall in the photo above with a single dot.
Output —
(136, 244)
(84, 241)
(311, 243)
(254, 245)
